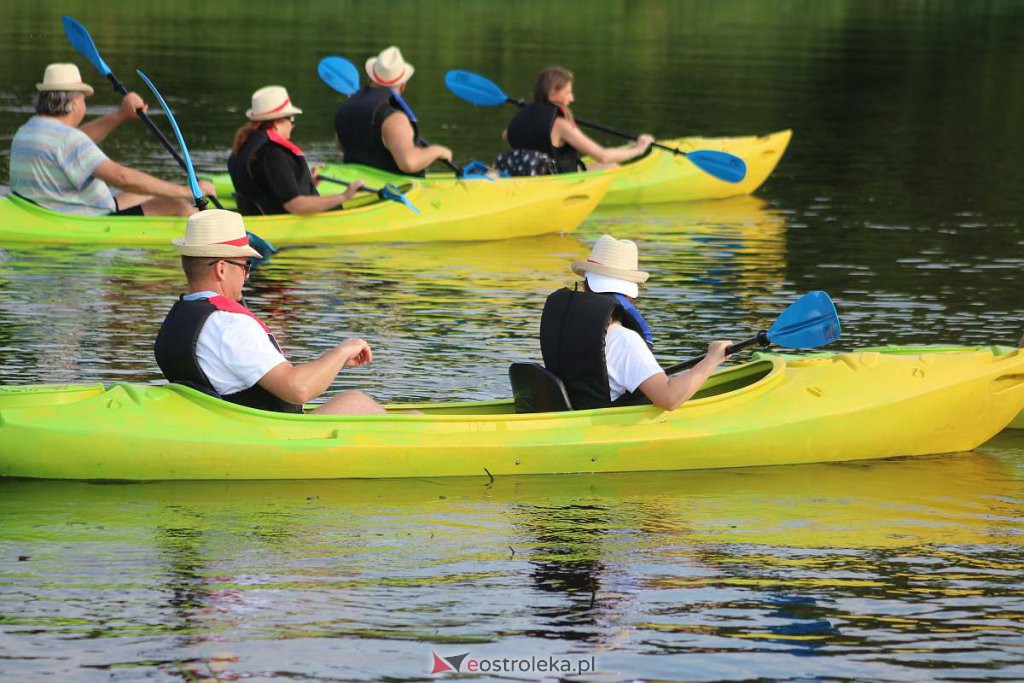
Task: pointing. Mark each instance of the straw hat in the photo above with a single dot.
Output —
(612, 267)
(215, 232)
(271, 102)
(65, 77)
(389, 69)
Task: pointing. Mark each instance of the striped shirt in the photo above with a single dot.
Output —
(53, 165)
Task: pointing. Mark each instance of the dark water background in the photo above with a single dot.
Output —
(901, 195)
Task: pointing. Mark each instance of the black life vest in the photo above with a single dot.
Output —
(254, 194)
(531, 128)
(175, 350)
(359, 125)
(573, 327)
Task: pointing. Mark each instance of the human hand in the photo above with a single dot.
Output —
(716, 352)
(644, 141)
(315, 172)
(130, 106)
(443, 153)
(357, 352)
(207, 188)
(354, 186)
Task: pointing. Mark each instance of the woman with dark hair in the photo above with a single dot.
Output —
(547, 126)
(268, 170)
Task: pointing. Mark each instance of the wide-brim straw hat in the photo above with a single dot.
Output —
(270, 103)
(613, 258)
(63, 77)
(215, 232)
(388, 69)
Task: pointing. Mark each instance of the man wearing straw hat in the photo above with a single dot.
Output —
(269, 171)
(213, 343)
(599, 345)
(56, 163)
(372, 128)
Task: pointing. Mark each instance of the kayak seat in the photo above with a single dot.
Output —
(241, 201)
(536, 390)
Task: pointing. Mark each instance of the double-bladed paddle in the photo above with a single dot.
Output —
(476, 89)
(264, 247)
(389, 191)
(80, 39)
(809, 322)
(343, 77)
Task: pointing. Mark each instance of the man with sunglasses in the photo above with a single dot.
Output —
(213, 343)
(269, 171)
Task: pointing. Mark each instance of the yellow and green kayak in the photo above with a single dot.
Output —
(775, 410)
(658, 177)
(488, 211)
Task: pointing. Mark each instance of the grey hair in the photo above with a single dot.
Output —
(56, 102)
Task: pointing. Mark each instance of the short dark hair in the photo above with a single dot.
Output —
(56, 102)
(195, 266)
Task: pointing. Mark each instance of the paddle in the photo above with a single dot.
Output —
(476, 89)
(262, 246)
(389, 191)
(343, 77)
(80, 39)
(807, 323)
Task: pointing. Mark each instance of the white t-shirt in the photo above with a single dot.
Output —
(234, 350)
(629, 360)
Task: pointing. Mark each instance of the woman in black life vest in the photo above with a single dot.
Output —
(547, 125)
(268, 170)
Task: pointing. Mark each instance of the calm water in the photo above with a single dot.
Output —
(900, 195)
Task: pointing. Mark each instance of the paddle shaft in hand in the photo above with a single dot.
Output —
(809, 322)
(80, 39)
(412, 119)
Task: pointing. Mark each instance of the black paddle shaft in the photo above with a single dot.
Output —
(761, 340)
(120, 87)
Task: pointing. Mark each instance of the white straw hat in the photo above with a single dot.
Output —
(389, 69)
(215, 232)
(65, 77)
(270, 103)
(612, 259)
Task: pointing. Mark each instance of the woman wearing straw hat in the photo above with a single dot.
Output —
(268, 170)
(599, 345)
(372, 128)
(56, 161)
(213, 343)
(547, 126)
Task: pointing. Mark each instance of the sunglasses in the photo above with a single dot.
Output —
(246, 266)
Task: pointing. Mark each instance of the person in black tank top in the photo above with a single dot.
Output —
(268, 170)
(374, 130)
(547, 125)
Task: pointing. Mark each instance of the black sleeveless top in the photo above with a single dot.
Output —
(175, 351)
(359, 125)
(572, 336)
(531, 128)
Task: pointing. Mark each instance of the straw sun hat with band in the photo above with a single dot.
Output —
(613, 266)
(215, 232)
(63, 77)
(271, 103)
(388, 69)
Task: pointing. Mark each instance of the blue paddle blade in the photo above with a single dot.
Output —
(474, 88)
(193, 184)
(390, 191)
(722, 165)
(261, 245)
(82, 41)
(476, 170)
(340, 74)
(809, 322)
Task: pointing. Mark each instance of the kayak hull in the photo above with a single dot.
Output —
(658, 177)
(455, 212)
(773, 411)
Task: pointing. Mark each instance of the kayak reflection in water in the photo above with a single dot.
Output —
(211, 342)
(547, 128)
(268, 170)
(599, 345)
